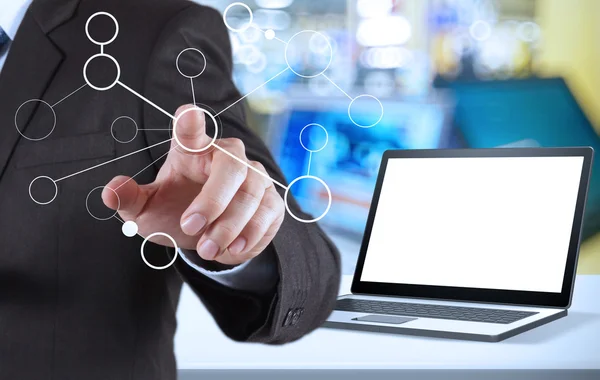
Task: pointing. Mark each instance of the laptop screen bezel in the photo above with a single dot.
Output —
(498, 296)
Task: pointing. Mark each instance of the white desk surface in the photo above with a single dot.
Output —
(572, 343)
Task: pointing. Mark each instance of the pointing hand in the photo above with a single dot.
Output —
(206, 201)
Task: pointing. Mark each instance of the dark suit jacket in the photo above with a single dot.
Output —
(76, 300)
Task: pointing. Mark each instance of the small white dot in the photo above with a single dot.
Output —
(269, 34)
(130, 229)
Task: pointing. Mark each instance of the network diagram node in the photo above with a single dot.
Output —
(130, 228)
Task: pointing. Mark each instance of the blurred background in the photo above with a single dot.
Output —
(446, 73)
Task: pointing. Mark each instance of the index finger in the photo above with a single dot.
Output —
(189, 130)
(225, 178)
(189, 143)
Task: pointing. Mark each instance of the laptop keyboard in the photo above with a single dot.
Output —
(457, 313)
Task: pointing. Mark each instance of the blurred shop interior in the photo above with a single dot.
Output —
(448, 73)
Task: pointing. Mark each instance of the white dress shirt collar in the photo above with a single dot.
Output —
(12, 14)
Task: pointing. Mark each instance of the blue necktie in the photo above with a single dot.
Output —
(3, 40)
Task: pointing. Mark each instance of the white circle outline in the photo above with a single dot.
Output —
(326, 138)
(88, 197)
(190, 76)
(113, 135)
(365, 126)
(488, 32)
(330, 56)
(261, 61)
(55, 190)
(17, 126)
(220, 130)
(285, 199)
(195, 108)
(239, 29)
(129, 222)
(174, 245)
(109, 86)
(535, 29)
(87, 31)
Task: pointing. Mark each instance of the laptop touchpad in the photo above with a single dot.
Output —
(391, 319)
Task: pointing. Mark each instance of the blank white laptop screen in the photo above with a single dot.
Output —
(492, 223)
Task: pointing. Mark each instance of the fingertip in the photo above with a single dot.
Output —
(183, 108)
(191, 123)
(192, 225)
(110, 198)
(208, 249)
(116, 182)
(189, 128)
(119, 192)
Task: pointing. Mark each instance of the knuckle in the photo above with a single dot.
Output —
(273, 201)
(213, 205)
(257, 165)
(219, 156)
(266, 215)
(238, 170)
(258, 223)
(225, 231)
(281, 207)
(264, 181)
(237, 145)
(250, 194)
(279, 220)
(232, 167)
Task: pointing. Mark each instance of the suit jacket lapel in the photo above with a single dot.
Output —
(29, 68)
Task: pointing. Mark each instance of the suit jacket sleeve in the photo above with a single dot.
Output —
(308, 263)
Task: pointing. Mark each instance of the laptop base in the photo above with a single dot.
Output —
(404, 330)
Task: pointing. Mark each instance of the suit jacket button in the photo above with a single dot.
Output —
(296, 315)
(288, 318)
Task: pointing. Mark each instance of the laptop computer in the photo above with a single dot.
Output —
(476, 244)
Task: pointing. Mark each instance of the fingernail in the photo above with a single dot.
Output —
(179, 110)
(193, 224)
(238, 245)
(208, 250)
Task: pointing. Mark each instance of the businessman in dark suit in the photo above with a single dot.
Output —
(76, 299)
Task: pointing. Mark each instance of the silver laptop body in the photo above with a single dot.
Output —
(477, 244)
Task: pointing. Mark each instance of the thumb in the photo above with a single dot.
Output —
(189, 130)
(124, 195)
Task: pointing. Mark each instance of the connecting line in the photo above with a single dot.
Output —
(249, 166)
(193, 92)
(264, 32)
(338, 87)
(309, 161)
(113, 160)
(280, 40)
(55, 104)
(152, 163)
(240, 99)
(144, 99)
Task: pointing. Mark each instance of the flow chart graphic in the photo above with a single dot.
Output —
(130, 228)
